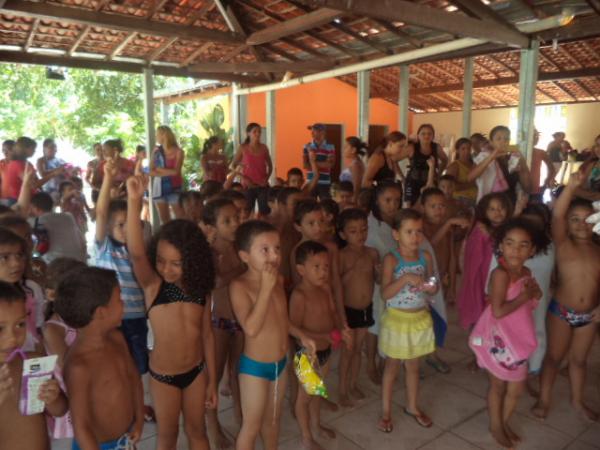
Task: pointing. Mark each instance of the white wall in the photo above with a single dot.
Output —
(583, 122)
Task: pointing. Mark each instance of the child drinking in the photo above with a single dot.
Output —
(358, 267)
(574, 314)
(260, 307)
(222, 217)
(406, 331)
(504, 336)
(106, 397)
(177, 277)
(18, 431)
(313, 311)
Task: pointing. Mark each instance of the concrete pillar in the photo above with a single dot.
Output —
(148, 85)
(364, 91)
(403, 99)
(271, 135)
(239, 108)
(467, 98)
(527, 87)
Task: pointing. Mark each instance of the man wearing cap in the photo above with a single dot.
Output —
(325, 153)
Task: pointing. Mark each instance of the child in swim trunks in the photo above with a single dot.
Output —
(260, 307)
(358, 267)
(406, 331)
(177, 277)
(312, 310)
(222, 218)
(573, 314)
(504, 337)
(19, 431)
(106, 397)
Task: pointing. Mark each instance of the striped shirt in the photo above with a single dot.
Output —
(324, 152)
(113, 255)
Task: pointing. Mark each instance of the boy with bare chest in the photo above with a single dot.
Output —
(358, 267)
(260, 307)
(574, 313)
(313, 311)
(18, 431)
(105, 390)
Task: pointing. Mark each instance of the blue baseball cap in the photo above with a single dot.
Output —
(317, 126)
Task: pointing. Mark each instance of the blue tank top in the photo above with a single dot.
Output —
(408, 297)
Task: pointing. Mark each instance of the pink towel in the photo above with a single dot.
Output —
(502, 346)
(471, 296)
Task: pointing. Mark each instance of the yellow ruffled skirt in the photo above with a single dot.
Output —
(406, 334)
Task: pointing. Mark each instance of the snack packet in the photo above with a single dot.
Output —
(308, 377)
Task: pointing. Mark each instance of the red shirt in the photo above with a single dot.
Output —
(12, 178)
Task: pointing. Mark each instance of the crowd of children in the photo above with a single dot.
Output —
(223, 299)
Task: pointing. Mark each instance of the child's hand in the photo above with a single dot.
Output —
(211, 396)
(268, 276)
(461, 222)
(49, 391)
(576, 179)
(414, 280)
(6, 384)
(110, 168)
(28, 176)
(312, 156)
(136, 432)
(532, 289)
(135, 187)
(309, 345)
(431, 163)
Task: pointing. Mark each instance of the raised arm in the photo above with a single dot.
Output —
(478, 170)
(524, 174)
(24, 200)
(442, 159)
(312, 184)
(559, 213)
(144, 273)
(110, 170)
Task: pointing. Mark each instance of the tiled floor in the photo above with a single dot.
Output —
(455, 402)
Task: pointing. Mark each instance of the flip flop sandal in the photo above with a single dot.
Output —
(385, 425)
(421, 418)
(439, 366)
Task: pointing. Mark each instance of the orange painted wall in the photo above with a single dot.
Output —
(326, 101)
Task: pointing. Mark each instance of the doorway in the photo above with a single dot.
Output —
(333, 135)
(376, 135)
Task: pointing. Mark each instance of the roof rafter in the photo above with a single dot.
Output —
(120, 22)
(298, 24)
(31, 35)
(277, 67)
(565, 90)
(86, 30)
(192, 57)
(412, 41)
(428, 17)
(546, 94)
(584, 88)
(124, 43)
(160, 50)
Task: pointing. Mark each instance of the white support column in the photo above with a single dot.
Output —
(527, 87)
(271, 135)
(467, 98)
(164, 112)
(403, 99)
(148, 83)
(239, 108)
(364, 93)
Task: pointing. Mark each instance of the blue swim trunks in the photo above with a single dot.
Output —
(123, 443)
(268, 371)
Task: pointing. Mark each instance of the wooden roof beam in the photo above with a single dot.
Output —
(31, 35)
(84, 33)
(124, 43)
(131, 24)
(545, 94)
(428, 17)
(412, 41)
(564, 90)
(593, 5)
(542, 76)
(160, 50)
(278, 51)
(194, 55)
(120, 66)
(276, 67)
(584, 88)
(477, 9)
(200, 12)
(233, 53)
(158, 4)
(298, 24)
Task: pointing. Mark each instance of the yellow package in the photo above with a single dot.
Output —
(308, 377)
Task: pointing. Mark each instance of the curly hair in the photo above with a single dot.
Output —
(211, 210)
(198, 270)
(483, 205)
(538, 238)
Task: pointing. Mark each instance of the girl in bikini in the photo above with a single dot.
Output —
(177, 278)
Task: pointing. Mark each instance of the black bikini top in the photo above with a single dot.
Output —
(170, 293)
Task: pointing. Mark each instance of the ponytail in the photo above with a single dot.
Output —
(360, 146)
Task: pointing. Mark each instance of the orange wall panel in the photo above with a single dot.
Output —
(327, 101)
